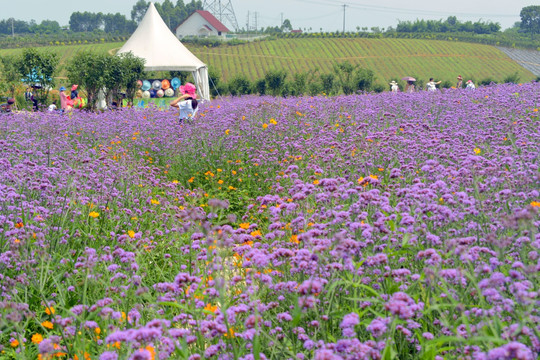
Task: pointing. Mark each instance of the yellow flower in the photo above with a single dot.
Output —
(175, 181)
(265, 126)
(93, 214)
(316, 182)
(375, 177)
(273, 121)
(37, 338)
(234, 172)
(477, 151)
(97, 331)
(155, 202)
(232, 188)
(220, 182)
(131, 234)
(244, 226)
(360, 179)
(256, 233)
(47, 325)
(227, 132)
(14, 343)
(535, 203)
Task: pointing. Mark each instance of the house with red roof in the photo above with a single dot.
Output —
(201, 23)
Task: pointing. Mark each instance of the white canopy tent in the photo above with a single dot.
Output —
(154, 42)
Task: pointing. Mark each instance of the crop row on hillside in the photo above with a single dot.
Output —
(388, 58)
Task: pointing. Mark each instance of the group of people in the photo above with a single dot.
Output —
(67, 102)
(431, 85)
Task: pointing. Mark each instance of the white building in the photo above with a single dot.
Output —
(201, 23)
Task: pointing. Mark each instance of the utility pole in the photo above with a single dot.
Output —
(256, 16)
(247, 23)
(12, 28)
(344, 6)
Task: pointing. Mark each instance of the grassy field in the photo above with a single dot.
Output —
(388, 58)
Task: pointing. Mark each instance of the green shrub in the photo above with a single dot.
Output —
(514, 78)
(240, 85)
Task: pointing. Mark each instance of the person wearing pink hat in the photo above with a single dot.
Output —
(187, 104)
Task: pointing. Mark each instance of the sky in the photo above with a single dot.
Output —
(303, 14)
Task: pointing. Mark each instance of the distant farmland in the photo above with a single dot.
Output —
(388, 58)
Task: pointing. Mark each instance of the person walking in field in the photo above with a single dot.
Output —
(459, 84)
(470, 85)
(187, 103)
(394, 86)
(432, 85)
(409, 88)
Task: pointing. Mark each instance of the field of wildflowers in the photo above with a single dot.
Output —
(357, 227)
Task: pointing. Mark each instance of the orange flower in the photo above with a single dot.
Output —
(19, 225)
(47, 324)
(294, 239)
(151, 351)
(49, 310)
(14, 343)
(265, 126)
(535, 203)
(93, 214)
(131, 234)
(210, 307)
(37, 338)
(256, 233)
(316, 182)
(244, 226)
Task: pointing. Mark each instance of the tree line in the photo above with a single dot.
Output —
(172, 14)
(450, 25)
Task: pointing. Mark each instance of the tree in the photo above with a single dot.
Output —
(139, 10)
(345, 72)
(530, 19)
(275, 80)
(85, 22)
(37, 67)
(88, 69)
(10, 73)
(94, 71)
(363, 79)
(286, 26)
(133, 68)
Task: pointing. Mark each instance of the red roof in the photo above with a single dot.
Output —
(213, 21)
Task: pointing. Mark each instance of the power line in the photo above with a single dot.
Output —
(379, 8)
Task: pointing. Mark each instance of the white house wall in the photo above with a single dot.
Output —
(196, 25)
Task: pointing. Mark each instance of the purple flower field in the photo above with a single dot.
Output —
(379, 226)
